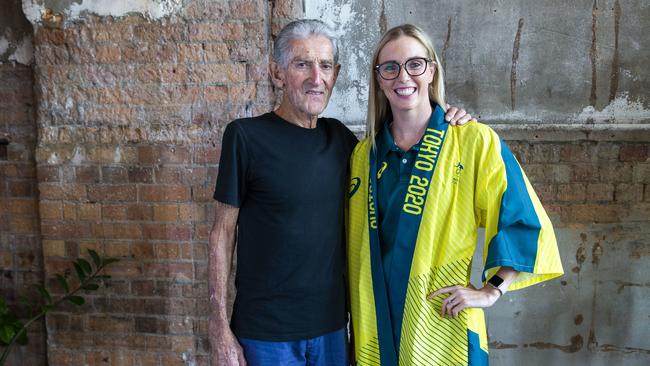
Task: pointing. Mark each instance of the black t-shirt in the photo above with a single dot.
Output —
(290, 185)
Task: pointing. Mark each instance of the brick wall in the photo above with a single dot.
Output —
(130, 115)
(20, 246)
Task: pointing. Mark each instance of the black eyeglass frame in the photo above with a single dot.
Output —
(399, 67)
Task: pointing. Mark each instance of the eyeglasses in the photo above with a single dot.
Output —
(414, 67)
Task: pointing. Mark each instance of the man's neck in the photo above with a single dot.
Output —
(298, 119)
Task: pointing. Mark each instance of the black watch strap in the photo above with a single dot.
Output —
(498, 283)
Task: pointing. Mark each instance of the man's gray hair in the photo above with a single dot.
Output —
(301, 29)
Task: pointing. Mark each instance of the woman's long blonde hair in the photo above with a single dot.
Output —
(378, 107)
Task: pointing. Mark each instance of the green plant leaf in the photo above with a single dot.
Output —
(7, 332)
(95, 257)
(77, 300)
(80, 272)
(64, 283)
(85, 265)
(91, 287)
(3, 307)
(44, 293)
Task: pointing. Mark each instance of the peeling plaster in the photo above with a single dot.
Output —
(619, 110)
(4, 45)
(16, 47)
(75, 9)
(24, 52)
(349, 100)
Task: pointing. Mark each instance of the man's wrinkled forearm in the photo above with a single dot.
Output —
(220, 255)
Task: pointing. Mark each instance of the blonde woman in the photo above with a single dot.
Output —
(419, 193)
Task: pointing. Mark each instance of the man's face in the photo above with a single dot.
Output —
(309, 77)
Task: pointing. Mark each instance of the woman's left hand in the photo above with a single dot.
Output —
(461, 297)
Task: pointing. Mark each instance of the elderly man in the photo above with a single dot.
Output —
(281, 195)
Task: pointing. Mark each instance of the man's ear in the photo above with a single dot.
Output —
(277, 75)
(337, 69)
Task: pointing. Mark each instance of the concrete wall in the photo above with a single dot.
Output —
(565, 83)
(510, 61)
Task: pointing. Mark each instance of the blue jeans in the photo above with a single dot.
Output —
(327, 350)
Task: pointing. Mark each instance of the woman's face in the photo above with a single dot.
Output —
(405, 92)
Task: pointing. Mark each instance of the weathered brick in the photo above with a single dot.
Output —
(86, 174)
(600, 192)
(243, 9)
(219, 73)
(626, 192)
(107, 54)
(641, 173)
(125, 269)
(21, 188)
(22, 225)
(165, 212)
(118, 250)
(156, 154)
(69, 211)
(216, 94)
(114, 211)
(584, 152)
(190, 52)
(216, 32)
(112, 174)
(216, 52)
(139, 212)
(20, 206)
(51, 210)
(112, 192)
(110, 324)
(164, 193)
(170, 175)
(179, 271)
(116, 231)
(89, 211)
(143, 250)
(53, 248)
(635, 152)
(615, 173)
(138, 174)
(590, 213)
(49, 174)
(167, 251)
(64, 231)
(174, 73)
(166, 231)
(55, 191)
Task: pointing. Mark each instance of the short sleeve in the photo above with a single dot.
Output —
(518, 232)
(233, 167)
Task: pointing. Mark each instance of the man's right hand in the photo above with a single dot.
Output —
(226, 351)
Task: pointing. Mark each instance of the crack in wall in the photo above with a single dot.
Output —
(513, 69)
(593, 55)
(613, 85)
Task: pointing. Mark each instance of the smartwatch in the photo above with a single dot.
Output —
(498, 283)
